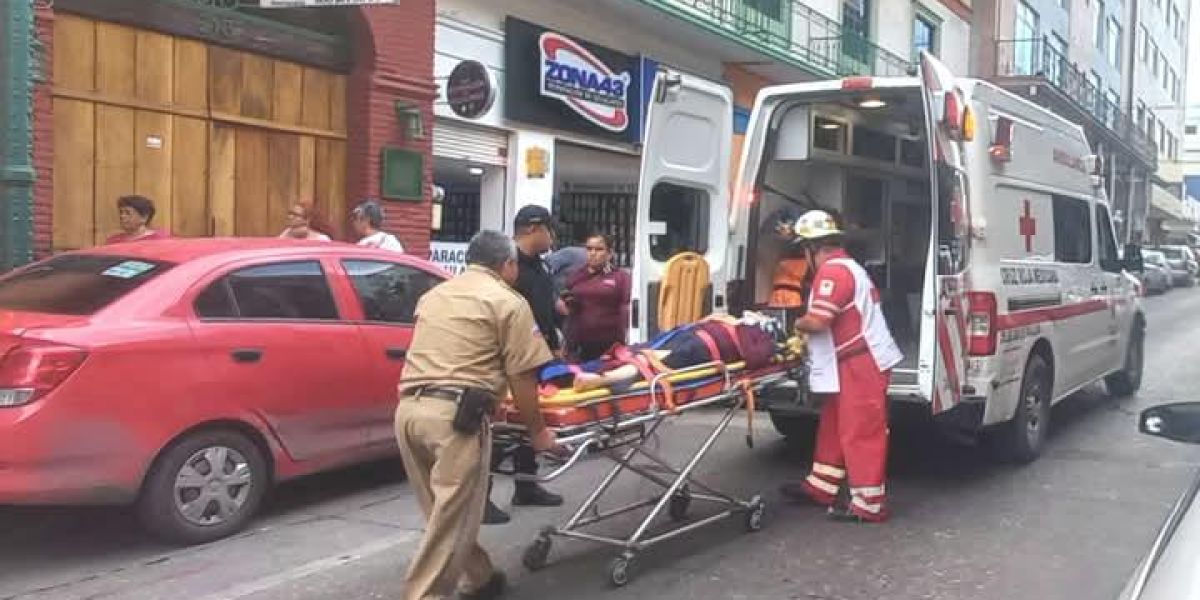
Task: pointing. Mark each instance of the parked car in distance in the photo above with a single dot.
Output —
(189, 376)
(1156, 276)
(1182, 263)
(1168, 572)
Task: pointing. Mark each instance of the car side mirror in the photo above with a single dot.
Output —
(1178, 422)
(1132, 260)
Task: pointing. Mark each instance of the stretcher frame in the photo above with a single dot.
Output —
(621, 441)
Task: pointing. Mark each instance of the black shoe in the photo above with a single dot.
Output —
(492, 515)
(796, 493)
(494, 588)
(532, 494)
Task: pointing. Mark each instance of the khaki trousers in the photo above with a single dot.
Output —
(448, 472)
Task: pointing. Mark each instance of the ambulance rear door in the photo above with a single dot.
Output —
(683, 193)
(944, 343)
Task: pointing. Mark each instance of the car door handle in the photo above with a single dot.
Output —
(246, 355)
(395, 353)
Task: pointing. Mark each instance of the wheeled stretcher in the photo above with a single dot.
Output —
(618, 425)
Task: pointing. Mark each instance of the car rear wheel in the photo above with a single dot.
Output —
(1025, 436)
(797, 428)
(1128, 380)
(204, 487)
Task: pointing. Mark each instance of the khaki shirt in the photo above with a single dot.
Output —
(473, 330)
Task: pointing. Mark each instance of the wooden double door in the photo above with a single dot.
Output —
(222, 141)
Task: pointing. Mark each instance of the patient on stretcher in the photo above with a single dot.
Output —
(754, 339)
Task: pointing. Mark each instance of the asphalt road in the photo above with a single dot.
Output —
(1071, 526)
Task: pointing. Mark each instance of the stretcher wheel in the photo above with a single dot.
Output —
(754, 515)
(680, 503)
(618, 570)
(536, 554)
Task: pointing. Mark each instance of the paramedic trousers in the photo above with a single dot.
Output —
(448, 472)
(852, 439)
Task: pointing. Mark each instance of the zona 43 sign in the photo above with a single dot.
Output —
(588, 86)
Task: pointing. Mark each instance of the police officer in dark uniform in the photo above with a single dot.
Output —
(533, 234)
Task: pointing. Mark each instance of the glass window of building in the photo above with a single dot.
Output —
(1026, 35)
(1113, 34)
(925, 36)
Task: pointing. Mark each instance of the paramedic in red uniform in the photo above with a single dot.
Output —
(852, 354)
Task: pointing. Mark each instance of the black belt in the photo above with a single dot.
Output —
(434, 391)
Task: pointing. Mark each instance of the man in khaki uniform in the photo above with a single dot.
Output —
(472, 332)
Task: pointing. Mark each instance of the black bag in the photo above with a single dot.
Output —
(474, 405)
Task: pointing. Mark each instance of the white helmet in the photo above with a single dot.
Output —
(815, 225)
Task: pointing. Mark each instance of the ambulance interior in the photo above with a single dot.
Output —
(864, 158)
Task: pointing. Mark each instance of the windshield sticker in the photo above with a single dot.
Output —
(128, 269)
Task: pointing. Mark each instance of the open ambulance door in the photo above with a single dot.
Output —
(944, 343)
(683, 195)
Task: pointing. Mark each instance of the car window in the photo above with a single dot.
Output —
(388, 291)
(1072, 230)
(1172, 253)
(289, 290)
(1109, 254)
(76, 284)
(684, 211)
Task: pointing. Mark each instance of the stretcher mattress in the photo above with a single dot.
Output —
(569, 408)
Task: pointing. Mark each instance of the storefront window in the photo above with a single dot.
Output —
(685, 212)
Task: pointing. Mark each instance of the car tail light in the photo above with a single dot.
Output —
(34, 369)
(952, 114)
(981, 324)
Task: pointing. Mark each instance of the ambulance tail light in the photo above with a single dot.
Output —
(981, 323)
(968, 124)
(952, 113)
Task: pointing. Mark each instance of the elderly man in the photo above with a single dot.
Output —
(474, 338)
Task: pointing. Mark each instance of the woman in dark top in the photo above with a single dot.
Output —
(598, 298)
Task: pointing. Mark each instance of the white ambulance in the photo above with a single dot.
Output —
(978, 214)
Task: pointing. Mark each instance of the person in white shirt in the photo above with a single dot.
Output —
(367, 218)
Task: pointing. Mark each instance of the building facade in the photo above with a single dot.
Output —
(1073, 57)
(1159, 65)
(223, 114)
(505, 136)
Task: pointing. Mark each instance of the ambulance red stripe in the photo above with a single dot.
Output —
(1046, 315)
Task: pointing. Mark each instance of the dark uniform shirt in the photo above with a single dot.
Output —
(537, 286)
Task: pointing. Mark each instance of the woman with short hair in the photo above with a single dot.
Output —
(301, 218)
(135, 213)
(367, 219)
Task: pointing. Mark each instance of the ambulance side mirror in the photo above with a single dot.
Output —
(1132, 260)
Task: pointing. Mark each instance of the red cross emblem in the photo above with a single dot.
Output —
(1028, 226)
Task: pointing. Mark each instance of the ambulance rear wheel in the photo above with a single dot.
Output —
(1128, 380)
(1030, 425)
(797, 428)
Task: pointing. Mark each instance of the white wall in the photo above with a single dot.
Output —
(585, 22)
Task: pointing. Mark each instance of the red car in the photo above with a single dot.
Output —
(188, 376)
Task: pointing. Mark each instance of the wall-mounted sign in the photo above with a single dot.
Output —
(451, 256)
(537, 162)
(470, 89)
(556, 80)
(588, 86)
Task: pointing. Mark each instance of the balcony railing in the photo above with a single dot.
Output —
(1037, 58)
(791, 32)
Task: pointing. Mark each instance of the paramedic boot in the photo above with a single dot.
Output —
(848, 514)
(529, 493)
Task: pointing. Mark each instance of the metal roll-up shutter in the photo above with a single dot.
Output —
(465, 142)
